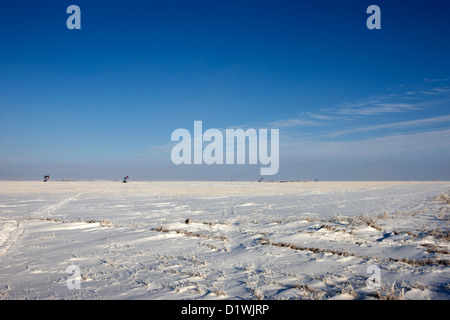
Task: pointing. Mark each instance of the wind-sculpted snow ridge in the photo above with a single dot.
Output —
(225, 240)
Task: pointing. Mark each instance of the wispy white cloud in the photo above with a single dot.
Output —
(442, 89)
(436, 80)
(396, 146)
(293, 122)
(323, 117)
(374, 108)
(362, 114)
(393, 125)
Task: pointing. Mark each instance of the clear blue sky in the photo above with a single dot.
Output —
(102, 102)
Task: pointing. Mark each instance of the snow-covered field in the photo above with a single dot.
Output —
(225, 240)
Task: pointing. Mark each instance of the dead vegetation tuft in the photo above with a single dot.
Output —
(445, 198)
(192, 234)
(434, 248)
(265, 241)
(388, 292)
(48, 219)
(103, 223)
(308, 292)
(161, 229)
(438, 233)
(201, 235)
(412, 262)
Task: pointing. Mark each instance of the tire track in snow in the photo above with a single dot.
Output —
(49, 209)
(230, 210)
(11, 231)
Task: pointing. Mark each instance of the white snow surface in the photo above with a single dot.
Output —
(224, 239)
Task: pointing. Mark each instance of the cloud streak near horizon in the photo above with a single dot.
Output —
(373, 114)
